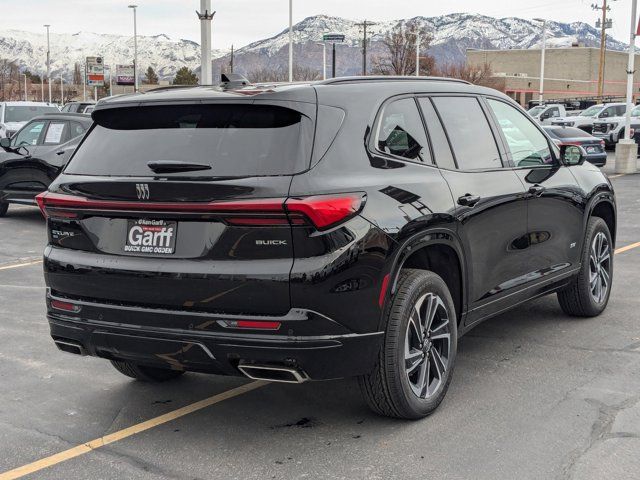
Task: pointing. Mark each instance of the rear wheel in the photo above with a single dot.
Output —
(3, 209)
(416, 362)
(588, 294)
(144, 373)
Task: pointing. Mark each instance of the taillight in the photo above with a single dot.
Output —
(323, 211)
(326, 211)
(250, 324)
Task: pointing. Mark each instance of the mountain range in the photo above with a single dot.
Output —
(451, 35)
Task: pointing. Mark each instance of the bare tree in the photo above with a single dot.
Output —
(9, 79)
(400, 58)
(281, 74)
(77, 74)
(476, 74)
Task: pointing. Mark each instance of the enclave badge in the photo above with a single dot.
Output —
(142, 189)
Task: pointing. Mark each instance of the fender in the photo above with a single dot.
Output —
(598, 198)
(432, 236)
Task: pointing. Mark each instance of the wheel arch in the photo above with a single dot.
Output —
(603, 206)
(439, 251)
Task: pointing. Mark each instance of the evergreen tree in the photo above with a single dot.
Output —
(152, 77)
(185, 76)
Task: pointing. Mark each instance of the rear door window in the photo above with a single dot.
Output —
(236, 140)
(469, 132)
(401, 132)
(56, 133)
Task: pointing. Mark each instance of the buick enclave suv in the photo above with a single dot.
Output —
(353, 227)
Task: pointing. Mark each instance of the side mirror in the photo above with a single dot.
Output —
(544, 116)
(5, 142)
(604, 114)
(572, 155)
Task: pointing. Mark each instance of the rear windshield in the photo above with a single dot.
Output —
(568, 133)
(236, 140)
(22, 113)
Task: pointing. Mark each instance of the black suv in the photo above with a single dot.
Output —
(351, 227)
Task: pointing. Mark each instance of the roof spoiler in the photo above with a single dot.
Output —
(233, 80)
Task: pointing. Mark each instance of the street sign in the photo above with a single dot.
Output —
(125, 75)
(94, 72)
(333, 37)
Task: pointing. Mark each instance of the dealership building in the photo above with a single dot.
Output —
(570, 72)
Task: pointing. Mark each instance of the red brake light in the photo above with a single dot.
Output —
(251, 324)
(324, 211)
(66, 306)
(327, 210)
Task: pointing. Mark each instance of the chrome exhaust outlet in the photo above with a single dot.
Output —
(273, 373)
(70, 346)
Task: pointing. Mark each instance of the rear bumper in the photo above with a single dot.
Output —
(204, 346)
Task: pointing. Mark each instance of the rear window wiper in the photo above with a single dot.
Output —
(174, 166)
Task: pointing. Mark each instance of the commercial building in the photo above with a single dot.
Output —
(569, 72)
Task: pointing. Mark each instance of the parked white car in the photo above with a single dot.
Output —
(14, 115)
(544, 114)
(585, 120)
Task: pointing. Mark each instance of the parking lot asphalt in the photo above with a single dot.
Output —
(535, 395)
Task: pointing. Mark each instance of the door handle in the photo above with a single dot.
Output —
(61, 152)
(536, 190)
(468, 200)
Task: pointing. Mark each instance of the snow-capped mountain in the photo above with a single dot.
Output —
(164, 54)
(452, 35)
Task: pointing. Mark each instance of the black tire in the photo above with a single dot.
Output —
(578, 299)
(389, 389)
(144, 373)
(3, 209)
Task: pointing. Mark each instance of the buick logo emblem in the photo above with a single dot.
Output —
(142, 190)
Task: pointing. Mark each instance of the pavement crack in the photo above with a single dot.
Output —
(600, 431)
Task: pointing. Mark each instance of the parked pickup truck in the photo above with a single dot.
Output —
(544, 114)
(585, 120)
(612, 129)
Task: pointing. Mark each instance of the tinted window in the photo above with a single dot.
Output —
(401, 133)
(527, 144)
(554, 112)
(21, 113)
(469, 133)
(439, 143)
(56, 133)
(29, 135)
(236, 140)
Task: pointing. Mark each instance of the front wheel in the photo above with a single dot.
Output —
(3, 209)
(588, 294)
(416, 362)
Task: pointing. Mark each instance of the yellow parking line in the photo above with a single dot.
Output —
(627, 248)
(18, 265)
(127, 432)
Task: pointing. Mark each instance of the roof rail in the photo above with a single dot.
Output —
(392, 78)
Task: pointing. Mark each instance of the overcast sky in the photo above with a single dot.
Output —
(243, 21)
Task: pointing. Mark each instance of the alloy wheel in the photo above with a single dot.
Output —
(427, 346)
(599, 267)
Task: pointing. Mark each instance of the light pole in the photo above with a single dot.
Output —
(205, 16)
(25, 86)
(48, 62)
(61, 90)
(544, 49)
(417, 54)
(135, 47)
(324, 59)
(627, 149)
(290, 41)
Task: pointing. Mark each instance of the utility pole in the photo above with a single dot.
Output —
(542, 57)
(206, 16)
(364, 25)
(417, 54)
(61, 90)
(25, 87)
(603, 23)
(231, 62)
(48, 62)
